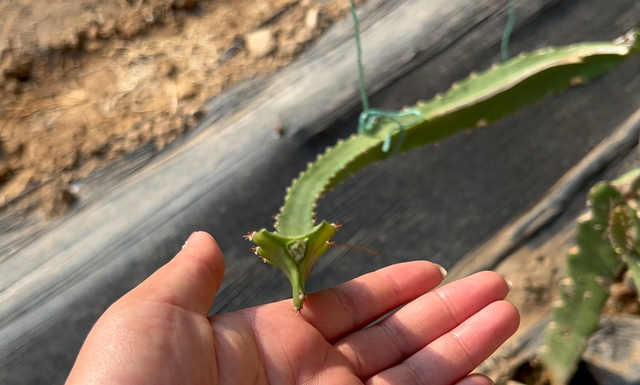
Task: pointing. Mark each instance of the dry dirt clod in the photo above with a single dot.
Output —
(186, 90)
(16, 185)
(260, 43)
(5, 173)
(56, 199)
(623, 299)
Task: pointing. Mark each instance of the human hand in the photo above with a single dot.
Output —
(159, 332)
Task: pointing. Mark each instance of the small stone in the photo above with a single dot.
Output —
(311, 20)
(260, 43)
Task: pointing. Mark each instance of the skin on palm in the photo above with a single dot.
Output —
(159, 333)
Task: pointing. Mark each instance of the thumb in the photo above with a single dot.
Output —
(189, 281)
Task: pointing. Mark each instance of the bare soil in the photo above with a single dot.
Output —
(84, 82)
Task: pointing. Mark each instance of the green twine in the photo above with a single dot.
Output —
(508, 30)
(369, 116)
(363, 86)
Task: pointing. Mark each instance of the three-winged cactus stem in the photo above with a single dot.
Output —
(607, 238)
(474, 102)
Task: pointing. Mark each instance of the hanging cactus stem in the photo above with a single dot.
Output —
(481, 99)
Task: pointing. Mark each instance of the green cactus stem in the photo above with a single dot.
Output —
(607, 238)
(472, 103)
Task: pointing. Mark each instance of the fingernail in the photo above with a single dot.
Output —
(443, 271)
(508, 281)
(188, 239)
(476, 379)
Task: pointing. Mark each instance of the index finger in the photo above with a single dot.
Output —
(355, 304)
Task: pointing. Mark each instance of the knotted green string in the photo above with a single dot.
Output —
(369, 117)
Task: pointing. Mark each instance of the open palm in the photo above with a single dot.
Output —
(159, 332)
